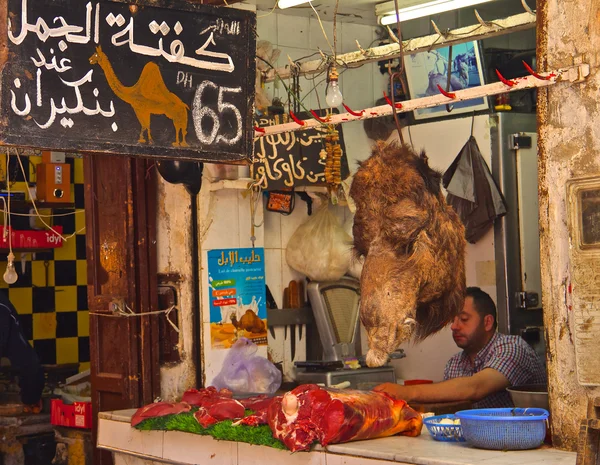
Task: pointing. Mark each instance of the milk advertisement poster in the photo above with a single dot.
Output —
(236, 282)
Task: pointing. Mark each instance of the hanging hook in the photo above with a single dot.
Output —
(296, 120)
(527, 9)
(318, 118)
(353, 113)
(451, 95)
(480, 20)
(508, 82)
(437, 29)
(387, 99)
(533, 73)
(392, 35)
(362, 50)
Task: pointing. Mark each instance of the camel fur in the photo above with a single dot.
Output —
(413, 279)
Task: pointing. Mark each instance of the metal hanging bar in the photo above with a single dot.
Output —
(477, 31)
(571, 74)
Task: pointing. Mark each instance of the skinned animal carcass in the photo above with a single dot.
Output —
(310, 413)
(413, 242)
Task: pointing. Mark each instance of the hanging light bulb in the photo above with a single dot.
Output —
(10, 275)
(334, 97)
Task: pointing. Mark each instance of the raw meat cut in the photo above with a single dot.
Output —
(413, 278)
(159, 409)
(258, 403)
(309, 413)
(225, 409)
(260, 406)
(205, 396)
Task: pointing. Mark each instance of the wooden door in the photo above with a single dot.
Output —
(120, 210)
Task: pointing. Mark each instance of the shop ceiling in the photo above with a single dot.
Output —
(363, 12)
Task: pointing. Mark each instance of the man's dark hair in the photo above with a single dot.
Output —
(483, 303)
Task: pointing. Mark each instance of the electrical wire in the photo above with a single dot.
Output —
(322, 28)
(270, 12)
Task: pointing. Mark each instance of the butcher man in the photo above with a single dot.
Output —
(488, 364)
(23, 358)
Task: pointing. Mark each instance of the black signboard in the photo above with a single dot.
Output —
(171, 80)
(283, 161)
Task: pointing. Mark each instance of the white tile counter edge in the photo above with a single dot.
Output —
(115, 434)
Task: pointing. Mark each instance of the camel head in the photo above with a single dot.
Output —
(97, 56)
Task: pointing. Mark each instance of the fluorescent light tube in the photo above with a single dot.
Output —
(426, 9)
(289, 3)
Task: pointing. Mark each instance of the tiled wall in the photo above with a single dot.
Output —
(53, 311)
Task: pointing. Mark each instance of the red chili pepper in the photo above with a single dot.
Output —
(259, 129)
(387, 99)
(451, 95)
(504, 80)
(318, 118)
(533, 73)
(353, 113)
(295, 118)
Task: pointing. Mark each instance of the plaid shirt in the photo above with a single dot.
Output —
(511, 356)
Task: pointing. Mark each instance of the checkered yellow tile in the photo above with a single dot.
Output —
(44, 326)
(66, 298)
(68, 251)
(83, 323)
(80, 220)
(67, 350)
(81, 272)
(22, 299)
(38, 273)
(78, 170)
(84, 366)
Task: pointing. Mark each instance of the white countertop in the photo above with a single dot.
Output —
(177, 447)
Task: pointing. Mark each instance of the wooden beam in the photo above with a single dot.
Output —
(478, 31)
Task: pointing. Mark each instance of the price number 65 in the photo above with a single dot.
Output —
(201, 113)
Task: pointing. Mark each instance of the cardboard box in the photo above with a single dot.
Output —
(32, 239)
(75, 415)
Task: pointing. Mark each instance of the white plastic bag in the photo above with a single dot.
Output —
(320, 248)
(244, 372)
(356, 263)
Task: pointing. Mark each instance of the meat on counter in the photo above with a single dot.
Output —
(310, 413)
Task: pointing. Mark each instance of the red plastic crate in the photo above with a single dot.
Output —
(76, 415)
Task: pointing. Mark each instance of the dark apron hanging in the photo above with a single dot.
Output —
(473, 192)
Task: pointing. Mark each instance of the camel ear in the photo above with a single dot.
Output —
(98, 49)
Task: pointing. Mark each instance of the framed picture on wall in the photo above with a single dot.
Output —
(425, 70)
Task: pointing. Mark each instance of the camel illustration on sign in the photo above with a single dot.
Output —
(148, 96)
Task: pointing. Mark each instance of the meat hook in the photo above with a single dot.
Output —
(480, 20)
(451, 95)
(353, 113)
(392, 35)
(508, 82)
(533, 73)
(362, 50)
(296, 120)
(527, 9)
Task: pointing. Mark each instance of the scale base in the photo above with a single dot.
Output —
(363, 379)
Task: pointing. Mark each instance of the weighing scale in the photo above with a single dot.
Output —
(335, 306)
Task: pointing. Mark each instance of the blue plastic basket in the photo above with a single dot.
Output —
(504, 428)
(443, 432)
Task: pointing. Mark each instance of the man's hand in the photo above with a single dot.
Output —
(397, 391)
